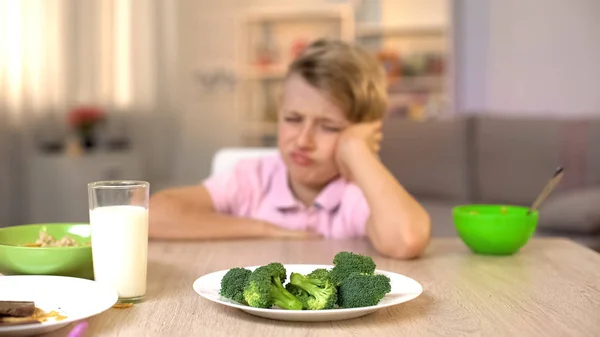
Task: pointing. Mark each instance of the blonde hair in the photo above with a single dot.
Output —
(352, 77)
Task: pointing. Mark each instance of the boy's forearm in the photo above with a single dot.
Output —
(172, 218)
(398, 226)
(203, 225)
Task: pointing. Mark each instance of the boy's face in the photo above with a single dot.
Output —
(309, 125)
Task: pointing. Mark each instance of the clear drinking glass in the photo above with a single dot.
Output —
(119, 224)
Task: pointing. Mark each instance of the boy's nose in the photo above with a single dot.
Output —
(305, 139)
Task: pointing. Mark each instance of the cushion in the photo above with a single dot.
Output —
(430, 159)
(592, 155)
(515, 158)
(440, 213)
(576, 211)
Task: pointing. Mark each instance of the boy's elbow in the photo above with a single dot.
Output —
(405, 249)
(413, 248)
(408, 244)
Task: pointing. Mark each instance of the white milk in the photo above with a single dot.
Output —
(120, 248)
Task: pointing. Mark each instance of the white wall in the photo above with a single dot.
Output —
(534, 57)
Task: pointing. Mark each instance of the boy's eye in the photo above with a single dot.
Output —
(331, 128)
(293, 119)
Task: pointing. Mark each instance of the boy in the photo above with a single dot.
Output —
(326, 180)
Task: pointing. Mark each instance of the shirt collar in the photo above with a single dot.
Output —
(281, 196)
(331, 196)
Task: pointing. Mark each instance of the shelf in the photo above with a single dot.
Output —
(259, 128)
(376, 30)
(420, 45)
(417, 83)
(259, 134)
(332, 12)
(268, 73)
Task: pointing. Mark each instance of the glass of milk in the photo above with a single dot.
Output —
(119, 224)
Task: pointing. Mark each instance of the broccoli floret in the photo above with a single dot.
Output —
(317, 291)
(346, 263)
(321, 273)
(363, 290)
(233, 283)
(265, 288)
(300, 293)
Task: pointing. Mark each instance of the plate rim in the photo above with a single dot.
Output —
(308, 312)
(70, 319)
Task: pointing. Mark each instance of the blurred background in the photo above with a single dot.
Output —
(487, 97)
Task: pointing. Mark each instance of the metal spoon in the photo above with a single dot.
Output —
(552, 183)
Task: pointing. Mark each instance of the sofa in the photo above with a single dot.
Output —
(485, 160)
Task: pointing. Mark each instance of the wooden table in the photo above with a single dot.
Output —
(551, 288)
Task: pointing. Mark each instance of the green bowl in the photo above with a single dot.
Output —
(494, 229)
(63, 261)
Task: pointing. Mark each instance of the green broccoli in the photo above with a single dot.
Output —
(346, 263)
(233, 283)
(265, 288)
(363, 290)
(317, 291)
(321, 273)
(298, 292)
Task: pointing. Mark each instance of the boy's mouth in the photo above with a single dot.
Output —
(301, 159)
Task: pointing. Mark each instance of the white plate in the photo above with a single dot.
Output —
(403, 289)
(75, 298)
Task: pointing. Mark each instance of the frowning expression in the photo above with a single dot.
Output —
(309, 126)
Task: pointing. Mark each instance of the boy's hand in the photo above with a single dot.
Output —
(354, 139)
(283, 233)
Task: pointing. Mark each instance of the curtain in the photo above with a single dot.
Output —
(55, 54)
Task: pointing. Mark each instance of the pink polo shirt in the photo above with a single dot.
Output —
(258, 188)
